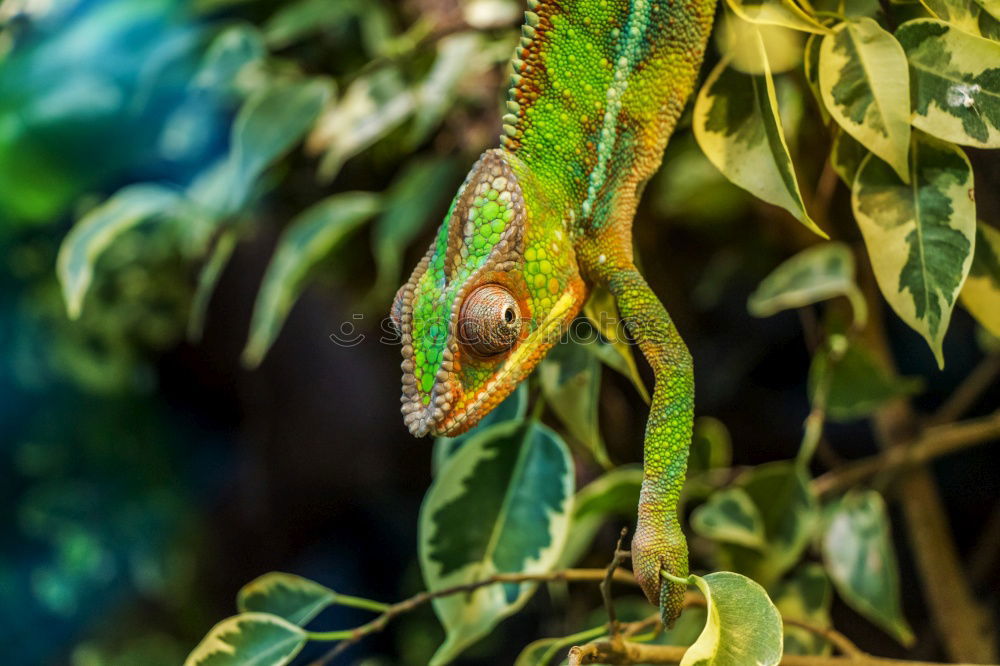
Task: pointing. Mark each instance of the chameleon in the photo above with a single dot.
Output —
(596, 89)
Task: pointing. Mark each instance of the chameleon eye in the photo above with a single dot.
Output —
(490, 322)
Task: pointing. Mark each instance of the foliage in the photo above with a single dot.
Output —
(897, 90)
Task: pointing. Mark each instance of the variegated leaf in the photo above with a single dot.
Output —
(846, 156)
(992, 7)
(570, 377)
(260, 639)
(866, 88)
(919, 236)
(963, 14)
(857, 549)
(737, 39)
(955, 82)
(288, 596)
(743, 626)
(501, 504)
(730, 516)
(616, 493)
(513, 408)
(98, 229)
(981, 293)
(806, 596)
(775, 12)
(308, 240)
(816, 274)
(602, 312)
(737, 125)
(810, 67)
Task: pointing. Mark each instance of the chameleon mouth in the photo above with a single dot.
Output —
(517, 366)
(422, 423)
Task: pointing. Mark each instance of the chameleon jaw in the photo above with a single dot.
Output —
(517, 365)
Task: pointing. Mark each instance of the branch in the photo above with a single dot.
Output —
(605, 585)
(933, 443)
(962, 625)
(407, 605)
(637, 653)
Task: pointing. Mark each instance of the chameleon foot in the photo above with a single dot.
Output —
(656, 549)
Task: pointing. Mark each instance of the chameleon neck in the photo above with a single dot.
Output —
(598, 86)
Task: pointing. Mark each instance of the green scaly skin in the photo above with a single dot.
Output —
(597, 87)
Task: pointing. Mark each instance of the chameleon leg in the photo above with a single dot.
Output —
(659, 543)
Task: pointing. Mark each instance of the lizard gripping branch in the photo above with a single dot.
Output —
(596, 90)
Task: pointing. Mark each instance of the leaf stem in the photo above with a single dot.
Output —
(361, 602)
(341, 635)
(687, 580)
(578, 637)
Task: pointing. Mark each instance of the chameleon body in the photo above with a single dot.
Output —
(597, 87)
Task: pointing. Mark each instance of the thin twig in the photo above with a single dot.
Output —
(844, 644)
(964, 397)
(605, 585)
(407, 605)
(932, 443)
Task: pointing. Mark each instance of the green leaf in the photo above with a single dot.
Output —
(737, 125)
(232, 51)
(249, 639)
(790, 514)
(955, 82)
(866, 88)
(371, 107)
(981, 293)
(805, 596)
(571, 383)
(297, 20)
(413, 196)
(992, 7)
(776, 12)
(963, 14)
(99, 228)
(288, 596)
(730, 516)
(501, 504)
(601, 311)
(736, 39)
(815, 274)
(513, 408)
(743, 625)
(616, 493)
(267, 126)
(459, 57)
(810, 67)
(207, 279)
(711, 446)
(919, 236)
(846, 156)
(858, 383)
(308, 239)
(857, 549)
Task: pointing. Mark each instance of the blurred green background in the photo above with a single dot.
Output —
(149, 467)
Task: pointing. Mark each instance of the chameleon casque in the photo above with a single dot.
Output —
(596, 90)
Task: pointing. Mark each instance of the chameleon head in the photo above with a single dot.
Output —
(494, 292)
